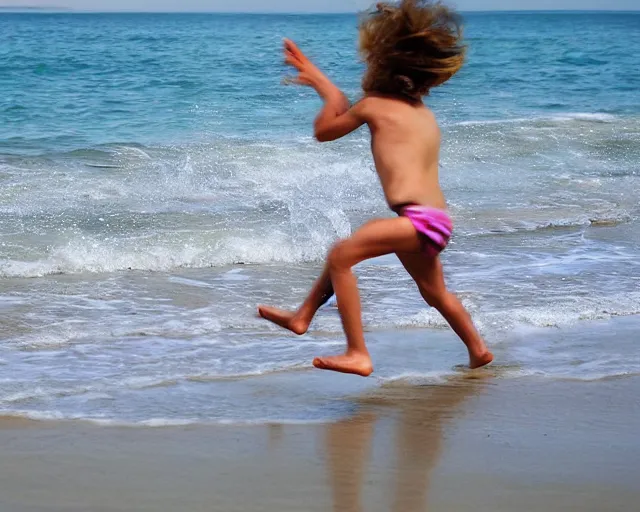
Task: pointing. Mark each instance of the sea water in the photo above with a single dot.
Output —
(157, 182)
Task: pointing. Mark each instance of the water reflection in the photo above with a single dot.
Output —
(421, 415)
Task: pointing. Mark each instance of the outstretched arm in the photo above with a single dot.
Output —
(337, 118)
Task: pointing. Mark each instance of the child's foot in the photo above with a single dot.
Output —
(285, 319)
(357, 364)
(481, 360)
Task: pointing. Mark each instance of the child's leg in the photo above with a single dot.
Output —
(427, 273)
(298, 322)
(375, 239)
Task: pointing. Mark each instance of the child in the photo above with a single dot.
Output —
(409, 47)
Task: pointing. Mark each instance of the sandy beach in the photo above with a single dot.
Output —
(473, 443)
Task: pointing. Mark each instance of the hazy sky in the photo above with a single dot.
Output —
(311, 5)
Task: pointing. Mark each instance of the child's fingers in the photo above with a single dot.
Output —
(293, 55)
(291, 47)
(291, 60)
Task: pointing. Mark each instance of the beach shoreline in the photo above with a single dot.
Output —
(472, 443)
(582, 352)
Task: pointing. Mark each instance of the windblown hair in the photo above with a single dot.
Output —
(410, 46)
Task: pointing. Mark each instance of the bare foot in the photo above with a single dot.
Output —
(285, 319)
(357, 364)
(480, 361)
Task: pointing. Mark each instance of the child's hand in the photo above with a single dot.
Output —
(308, 73)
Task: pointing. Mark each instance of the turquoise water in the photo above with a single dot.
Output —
(157, 181)
(75, 81)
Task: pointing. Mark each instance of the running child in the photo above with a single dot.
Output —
(409, 48)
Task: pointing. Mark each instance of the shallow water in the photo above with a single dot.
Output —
(157, 182)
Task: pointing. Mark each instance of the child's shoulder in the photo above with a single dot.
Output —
(376, 104)
(373, 104)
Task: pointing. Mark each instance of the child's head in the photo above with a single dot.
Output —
(410, 46)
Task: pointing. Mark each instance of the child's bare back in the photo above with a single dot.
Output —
(405, 143)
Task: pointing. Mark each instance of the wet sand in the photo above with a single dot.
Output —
(480, 444)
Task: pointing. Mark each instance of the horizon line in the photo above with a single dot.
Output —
(69, 10)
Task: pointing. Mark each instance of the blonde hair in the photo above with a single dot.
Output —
(410, 47)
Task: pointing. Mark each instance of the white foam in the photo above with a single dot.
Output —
(426, 318)
(197, 323)
(259, 371)
(585, 116)
(99, 257)
(10, 301)
(571, 116)
(23, 396)
(597, 377)
(51, 338)
(559, 315)
(487, 122)
(58, 416)
(190, 282)
(45, 393)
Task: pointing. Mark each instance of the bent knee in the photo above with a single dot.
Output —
(436, 298)
(339, 258)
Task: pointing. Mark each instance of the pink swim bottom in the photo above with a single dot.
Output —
(432, 224)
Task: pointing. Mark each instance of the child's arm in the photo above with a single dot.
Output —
(334, 99)
(331, 125)
(337, 118)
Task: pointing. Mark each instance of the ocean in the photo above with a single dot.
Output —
(157, 182)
